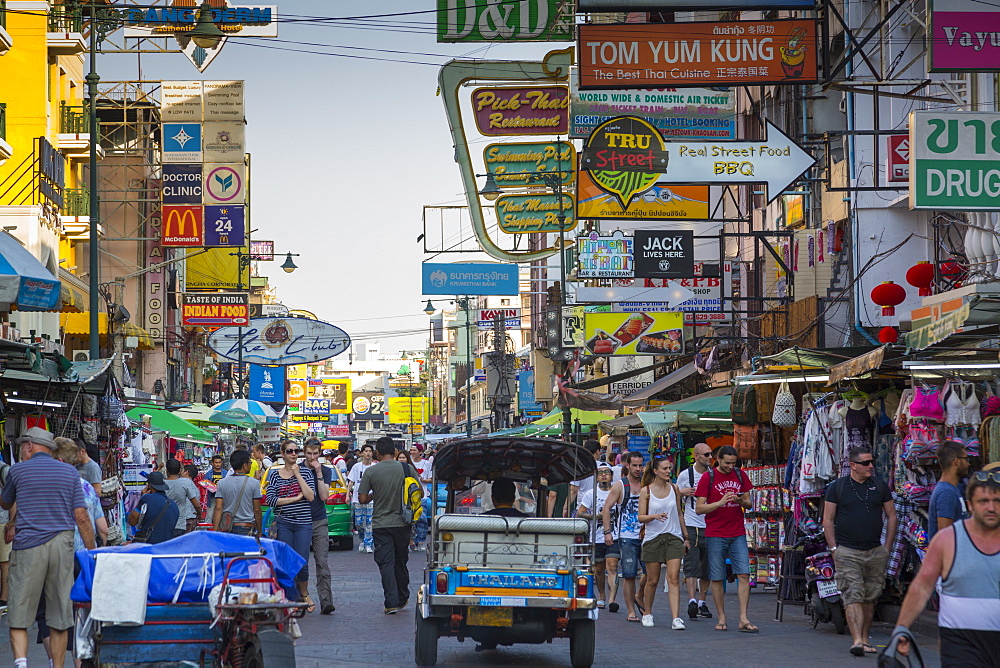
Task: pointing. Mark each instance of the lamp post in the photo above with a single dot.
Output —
(463, 303)
(103, 21)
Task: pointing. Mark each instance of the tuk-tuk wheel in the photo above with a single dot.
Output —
(581, 643)
(425, 641)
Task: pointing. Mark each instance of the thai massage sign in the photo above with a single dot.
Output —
(633, 55)
(955, 160)
(538, 110)
(280, 341)
(535, 212)
(514, 165)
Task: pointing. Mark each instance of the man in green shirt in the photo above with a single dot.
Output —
(383, 484)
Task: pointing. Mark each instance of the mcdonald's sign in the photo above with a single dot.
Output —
(183, 226)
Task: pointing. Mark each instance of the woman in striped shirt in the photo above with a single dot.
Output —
(289, 491)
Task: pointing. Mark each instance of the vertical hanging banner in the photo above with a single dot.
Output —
(155, 290)
(267, 383)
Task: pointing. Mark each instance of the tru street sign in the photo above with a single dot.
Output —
(776, 160)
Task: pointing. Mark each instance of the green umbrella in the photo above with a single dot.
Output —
(177, 427)
(583, 417)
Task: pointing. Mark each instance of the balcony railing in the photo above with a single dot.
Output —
(3, 117)
(76, 202)
(65, 19)
(73, 119)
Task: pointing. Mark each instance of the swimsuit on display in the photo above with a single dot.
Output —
(963, 405)
(927, 403)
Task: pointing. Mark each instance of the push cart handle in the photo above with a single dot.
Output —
(236, 555)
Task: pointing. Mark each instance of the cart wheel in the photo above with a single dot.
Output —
(581, 643)
(425, 641)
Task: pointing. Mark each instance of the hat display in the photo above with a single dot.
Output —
(37, 435)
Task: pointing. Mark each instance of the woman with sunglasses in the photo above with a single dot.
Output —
(289, 491)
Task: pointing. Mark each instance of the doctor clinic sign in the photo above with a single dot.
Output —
(955, 160)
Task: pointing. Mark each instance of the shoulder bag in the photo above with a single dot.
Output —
(784, 407)
(142, 536)
(226, 521)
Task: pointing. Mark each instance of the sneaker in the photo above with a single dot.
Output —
(391, 611)
(361, 547)
(601, 604)
(369, 550)
(693, 609)
(647, 620)
(678, 624)
(703, 611)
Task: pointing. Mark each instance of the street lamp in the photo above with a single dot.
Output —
(205, 33)
(429, 309)
(288, 266)
(490, 189)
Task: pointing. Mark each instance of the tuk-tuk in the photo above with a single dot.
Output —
(505, 580)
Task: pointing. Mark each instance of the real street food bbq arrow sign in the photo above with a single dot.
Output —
(626, 157)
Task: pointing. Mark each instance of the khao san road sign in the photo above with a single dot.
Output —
(496, 21)
(776, 160)
(955, 160)
(535, 212)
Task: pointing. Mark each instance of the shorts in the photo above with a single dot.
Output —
(663, 548)
(630, 562)
(602, 551)
(860, 573)
(963, 647)
(696, 559)
(5, 549)
(49, 565)
(719, 549)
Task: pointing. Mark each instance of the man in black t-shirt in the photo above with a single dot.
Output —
(503, 494)
(852, 523)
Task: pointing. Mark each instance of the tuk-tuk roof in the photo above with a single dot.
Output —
(514, 457)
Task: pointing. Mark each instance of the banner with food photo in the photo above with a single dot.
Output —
(634, 333)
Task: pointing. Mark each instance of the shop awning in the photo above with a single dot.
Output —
(79, 323)
(620, 426)
(857, 366)
(796, 358)
(672, 378)
(555, 417)
(176, 427)
(24, 280)
(707, 406)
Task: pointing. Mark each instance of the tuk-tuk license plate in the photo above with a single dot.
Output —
(480, 616)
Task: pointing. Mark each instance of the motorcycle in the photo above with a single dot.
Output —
(824, 600)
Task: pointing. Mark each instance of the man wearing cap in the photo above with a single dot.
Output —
(50, 505)
(156, 513)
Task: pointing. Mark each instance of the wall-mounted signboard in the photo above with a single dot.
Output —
(953, 160)
(471, 278)
(485, 317)
(531, 110)
(660, 202)
(632, 55)
(663, 253)
(535, 212)
(962, 36)
(492, 21)
(604, 256)
(513, 165)
(335, 391)
(215, 309)
(634, 333)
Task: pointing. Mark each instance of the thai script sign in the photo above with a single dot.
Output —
(634, 333)
(215, 309)
(280, 341)
(514, 165)
(535, 212)
(536, 110)
(660, 202)
(697, 54)
(474, 278)
(267, 383)
(954, 159)
(678, 113)
(604, 257)
(963, 36)
(625, 157)
(496, 21)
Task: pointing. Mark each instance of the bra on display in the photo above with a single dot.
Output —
(963, 405)
(927, 403)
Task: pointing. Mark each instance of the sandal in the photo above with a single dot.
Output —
(633, 618)
(870, 649)
(721, 626)
(748, 628)
(312, 606)
(642, 610)
(857, 650)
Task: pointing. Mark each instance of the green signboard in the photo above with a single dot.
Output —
(518, 214)
(955, 160)
(519, 165)
(499, 21)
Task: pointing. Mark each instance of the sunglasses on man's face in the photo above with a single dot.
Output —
(866, 462)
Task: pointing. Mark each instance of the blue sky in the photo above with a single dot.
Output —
(346, 152)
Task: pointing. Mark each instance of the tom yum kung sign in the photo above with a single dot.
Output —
(697, 54)
(539, 110)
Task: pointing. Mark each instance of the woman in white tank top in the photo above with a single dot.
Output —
(665, 537)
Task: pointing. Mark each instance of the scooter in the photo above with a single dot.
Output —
(824, 600)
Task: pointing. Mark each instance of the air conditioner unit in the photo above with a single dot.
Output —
(80, 355)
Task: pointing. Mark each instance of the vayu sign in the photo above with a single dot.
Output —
(777, 160)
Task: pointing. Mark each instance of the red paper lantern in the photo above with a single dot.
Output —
(888, 335)
(921, 276)
(888, 295)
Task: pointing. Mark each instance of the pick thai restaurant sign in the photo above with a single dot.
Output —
(964, 36)
(493, 21)
(678, 113)
(514, 164)
(280, 341)
(537, 110)
(664, 253)
(215, 309)
(954, 160)
(697, 54)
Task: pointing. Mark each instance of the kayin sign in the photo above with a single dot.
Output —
(697, 54)
(625, 157)
(538, 110)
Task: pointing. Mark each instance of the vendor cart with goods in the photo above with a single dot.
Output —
(210, 599)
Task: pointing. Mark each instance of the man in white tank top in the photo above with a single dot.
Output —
(966, 556)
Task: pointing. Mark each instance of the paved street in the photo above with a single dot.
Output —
(358, 634)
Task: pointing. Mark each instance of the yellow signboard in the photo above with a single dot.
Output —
(409, 410)
(634, 333)
(337, 390)
(297, 371)
(215, 269)
(661, 202)
(298, 390)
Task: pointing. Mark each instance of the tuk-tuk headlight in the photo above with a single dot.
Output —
(447, 536)
(441, 583)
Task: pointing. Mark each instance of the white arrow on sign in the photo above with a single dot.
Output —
(777, 161)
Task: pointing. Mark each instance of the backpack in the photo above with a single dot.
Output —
(743, 405)
(412, 496)
(711, 478)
